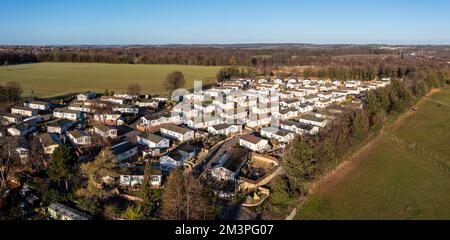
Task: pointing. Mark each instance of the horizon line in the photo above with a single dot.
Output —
(227, 44)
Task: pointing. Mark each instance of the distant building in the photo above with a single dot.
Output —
(156, 178)
(21, 129)
(12, 118)
(59, 126)
(105, 131)
(22, 148)
(124, 151)
(178, 157)
(23, 111)
(113, 118)
(153, 141)
(79, 138)
(39, 105)
(173, 159)
(299, 128)
(225, 129)
(86, 96)
(290, 103)
(50, 142)
(126, 96)
(132, 180)
(80, 108)
(230, 164)
(254, 143)
(58, 211)
(111, 99)
(282, 136)
(313, 120)
(179, 133)
(126, 109)
(159, 119)
(68, 114)
(323, 103)
(286, 114)
(149, 103)
(352, 83)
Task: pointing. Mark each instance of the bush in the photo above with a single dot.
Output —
(91, 206)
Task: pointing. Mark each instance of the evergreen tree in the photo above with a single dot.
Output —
(359, 125)
(148, 194)
(104, 165)
(63, 165)
(94, 193)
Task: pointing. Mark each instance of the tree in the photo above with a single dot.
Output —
(104, 165)
(133, 213)
(173, 196)
(184, 198)
(11, 92)
(63, 165)
(8, 160)
(36, 157)
(359, 125)
(174, 81)
(281, 197)
(298, 161)
(134, 89)
(148, 194)
(227, 73)
(91, 206)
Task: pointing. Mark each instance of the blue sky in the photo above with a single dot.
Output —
(224, 21)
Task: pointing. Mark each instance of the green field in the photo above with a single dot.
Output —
(52, 79)
(393, 180)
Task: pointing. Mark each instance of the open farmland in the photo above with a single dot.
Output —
(403, 175)
(53, 79)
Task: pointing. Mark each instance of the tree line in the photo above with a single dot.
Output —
(187, 55)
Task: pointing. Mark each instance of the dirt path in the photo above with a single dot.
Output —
(333, 178)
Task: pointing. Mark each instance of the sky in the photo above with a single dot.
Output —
(95, 22)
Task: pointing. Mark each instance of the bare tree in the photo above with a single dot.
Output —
(174, 81)
(102, 107)
(11, 92)
(9, 160)
(183, 198)
(173, 196)
(134, 89)
(4, 106)
(36, 158)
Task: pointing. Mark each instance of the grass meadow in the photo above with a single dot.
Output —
(53, 79)
(404, 175)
